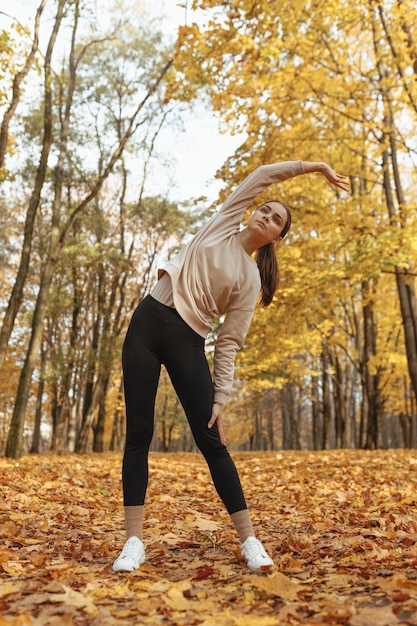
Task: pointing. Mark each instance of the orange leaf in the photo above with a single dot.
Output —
(279, 585)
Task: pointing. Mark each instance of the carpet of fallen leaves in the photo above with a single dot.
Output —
(340, 525)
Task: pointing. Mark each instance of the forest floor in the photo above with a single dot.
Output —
(340, 525)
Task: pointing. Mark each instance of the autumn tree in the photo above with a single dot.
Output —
(309, 82)
(136, 104)
(19, 76)
(15, 298)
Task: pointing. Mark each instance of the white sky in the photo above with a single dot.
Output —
(199, 149)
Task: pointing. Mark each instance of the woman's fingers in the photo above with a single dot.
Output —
(339, 180)
(221, 432)
(216, 418)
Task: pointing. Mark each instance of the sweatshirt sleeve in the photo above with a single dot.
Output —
(236, 324)
(230, 339)
(254, 184)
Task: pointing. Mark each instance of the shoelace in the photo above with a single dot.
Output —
(255, 548)
(130, 549)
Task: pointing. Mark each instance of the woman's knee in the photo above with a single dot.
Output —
(139, 437)
(209, 444)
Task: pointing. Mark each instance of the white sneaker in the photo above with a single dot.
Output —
(131, 557)
(255, 555)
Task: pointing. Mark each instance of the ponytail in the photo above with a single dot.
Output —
(267, 262)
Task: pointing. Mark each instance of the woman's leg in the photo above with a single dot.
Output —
(141, 370)
(187, 366)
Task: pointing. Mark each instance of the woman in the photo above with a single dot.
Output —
(214, 274)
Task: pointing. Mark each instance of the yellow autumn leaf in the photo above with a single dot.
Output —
(278, 584)
(71, 597)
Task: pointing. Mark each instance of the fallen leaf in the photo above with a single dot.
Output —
(70, 597)
(279, 585)
(21, 620)
(6, 589)
(374, 617)
(175, 598)
(203, 573)
(247, 620)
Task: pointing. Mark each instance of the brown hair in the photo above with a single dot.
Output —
(267, 262)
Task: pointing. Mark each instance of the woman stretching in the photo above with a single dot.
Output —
(214, 274)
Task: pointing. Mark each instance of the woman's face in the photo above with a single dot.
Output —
(269, 219)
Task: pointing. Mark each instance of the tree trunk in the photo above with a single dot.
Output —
(99, 427)
(410, 411)
(370, 381)
(315, 414)
(64, 405)
(15, 299)
(86, 429)
(404, 279)
(327, 406)
(350, 376)
(291, 418)
(15, 439)
(270, 426)
(72, 429)
(405, 423)
(92, 360)
(258, 429)
(339, 401)
(36, 440)
(405, 284)
(17, 81)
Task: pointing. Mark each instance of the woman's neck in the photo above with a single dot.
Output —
(250, 242)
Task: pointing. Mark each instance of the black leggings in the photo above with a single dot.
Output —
(158, 335)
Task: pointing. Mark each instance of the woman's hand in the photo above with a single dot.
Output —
(216, 417)
(333, 177)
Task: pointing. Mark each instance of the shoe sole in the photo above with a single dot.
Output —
(124, 569)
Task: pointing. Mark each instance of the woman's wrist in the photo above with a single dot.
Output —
(313, 166)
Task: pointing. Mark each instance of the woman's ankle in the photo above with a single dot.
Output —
(243, 525)
(134, 521)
